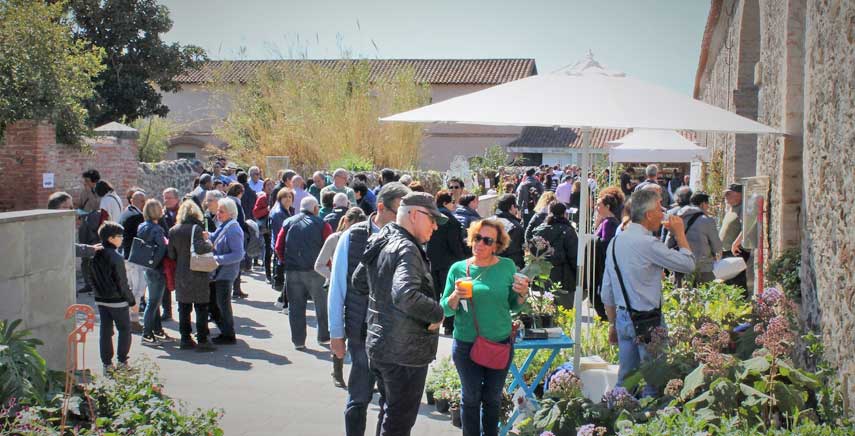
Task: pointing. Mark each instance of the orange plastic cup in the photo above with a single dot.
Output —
(465, 285)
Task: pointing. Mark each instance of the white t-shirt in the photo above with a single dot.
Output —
(113, 205)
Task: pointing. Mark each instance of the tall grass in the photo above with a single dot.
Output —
(317, 115)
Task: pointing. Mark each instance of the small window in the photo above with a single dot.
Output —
(186, 155)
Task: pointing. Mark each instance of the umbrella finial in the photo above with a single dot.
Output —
(589, 66)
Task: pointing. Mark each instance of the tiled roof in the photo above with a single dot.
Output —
(432, 71)
(537, 137)
(565, 138)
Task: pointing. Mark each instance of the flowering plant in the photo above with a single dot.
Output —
(537, 264)
(564, 384)
(591, 430)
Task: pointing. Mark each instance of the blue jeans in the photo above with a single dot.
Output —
(121, 317)
(156, 287)
(360, 390)
(301, 284)
(223, 290)
(631, 354)
(481, 397)
(403, 387)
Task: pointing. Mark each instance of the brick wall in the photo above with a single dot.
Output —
(30, 150)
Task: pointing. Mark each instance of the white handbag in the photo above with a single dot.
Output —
(200, 262)
(729, 267)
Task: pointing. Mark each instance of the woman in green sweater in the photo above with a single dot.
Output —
(494, 292)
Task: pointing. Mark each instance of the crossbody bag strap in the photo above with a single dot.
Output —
(193, 239)
(620, 276)
(472, 300)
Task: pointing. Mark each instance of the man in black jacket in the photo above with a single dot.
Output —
(507, 213)
(403, 315)
(528, 193)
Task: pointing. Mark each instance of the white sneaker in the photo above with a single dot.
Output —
(284, 311)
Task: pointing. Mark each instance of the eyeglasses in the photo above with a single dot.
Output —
(488, 241)
(432, 218)
(454, 187)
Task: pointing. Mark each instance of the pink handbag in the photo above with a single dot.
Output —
(484, 352)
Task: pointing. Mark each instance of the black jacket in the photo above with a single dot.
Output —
(401, 304)
(110, 281)
(446, 244)
(536, 220)
(247, 200)
(562, 238)
(130, 219)
(515, 230)
(334, 217)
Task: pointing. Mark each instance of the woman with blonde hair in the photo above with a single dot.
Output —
(489, 289)
(191, 287)
(541, 211)
(152, 234)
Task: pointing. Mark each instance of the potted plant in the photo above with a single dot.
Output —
(442, 398)
(540, 306)
(454, 408)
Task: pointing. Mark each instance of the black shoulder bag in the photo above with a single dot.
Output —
(643, 321)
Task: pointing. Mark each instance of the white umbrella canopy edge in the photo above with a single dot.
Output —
(656, 146)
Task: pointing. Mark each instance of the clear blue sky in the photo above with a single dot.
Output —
(658, 41)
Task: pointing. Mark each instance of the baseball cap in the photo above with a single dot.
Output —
(734, 187)
(426, 201)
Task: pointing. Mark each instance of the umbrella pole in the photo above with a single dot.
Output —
(584, 236)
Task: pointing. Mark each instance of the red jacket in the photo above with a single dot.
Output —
(260, 209)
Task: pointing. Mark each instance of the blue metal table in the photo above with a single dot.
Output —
(534, 345)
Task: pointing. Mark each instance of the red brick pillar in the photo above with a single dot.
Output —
(22, 162)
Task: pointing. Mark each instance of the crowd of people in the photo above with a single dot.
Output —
(388, 268)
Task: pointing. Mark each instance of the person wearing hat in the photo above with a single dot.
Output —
(731, 227)
(403, 315)
(703, 239)
(348, 305)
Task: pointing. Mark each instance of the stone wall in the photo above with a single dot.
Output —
(31, 151)
(828, 234)
(153, 178)
(37, 276)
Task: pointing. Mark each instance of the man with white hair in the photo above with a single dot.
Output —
(650, 174)
(256, 183)
(632, 282)
(340, 185)
(319, 182)
(297, 246)
(340, 206)
(403, 315)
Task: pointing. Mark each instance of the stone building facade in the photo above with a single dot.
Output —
(791, 64)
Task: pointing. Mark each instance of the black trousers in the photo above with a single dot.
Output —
(403, 387)
(184, 325)
(268, 255)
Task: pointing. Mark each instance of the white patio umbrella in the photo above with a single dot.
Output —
(585, 96)
(644, 145)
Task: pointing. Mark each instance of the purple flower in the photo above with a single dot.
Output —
(620, 398)
(547, 433)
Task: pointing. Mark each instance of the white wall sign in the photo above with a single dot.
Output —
(47, 180)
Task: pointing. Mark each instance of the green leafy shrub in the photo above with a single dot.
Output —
(352, 162)
(785, 271)
(23, 372)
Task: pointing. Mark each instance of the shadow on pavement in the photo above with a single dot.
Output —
(251, 328)
(225, 356)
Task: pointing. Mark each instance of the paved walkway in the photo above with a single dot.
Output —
(264, 385)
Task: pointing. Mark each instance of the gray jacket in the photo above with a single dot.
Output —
(703, 238)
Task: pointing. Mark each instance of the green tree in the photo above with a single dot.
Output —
(137, 59)
(44, 72)
(154, 137)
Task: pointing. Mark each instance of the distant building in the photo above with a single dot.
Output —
(548, 145)
(197, 109)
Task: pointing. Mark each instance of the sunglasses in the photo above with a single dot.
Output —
(488, 241)
(432, 218)
(454, 187)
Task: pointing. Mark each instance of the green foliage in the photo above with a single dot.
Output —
(494, 157)
(353, 162)
(127, 402)
(444, 381)
(44, 73)
(137, 59)
(154, 137)
(785, 271)
(23, 372)
(595, 335)
(689, 423)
